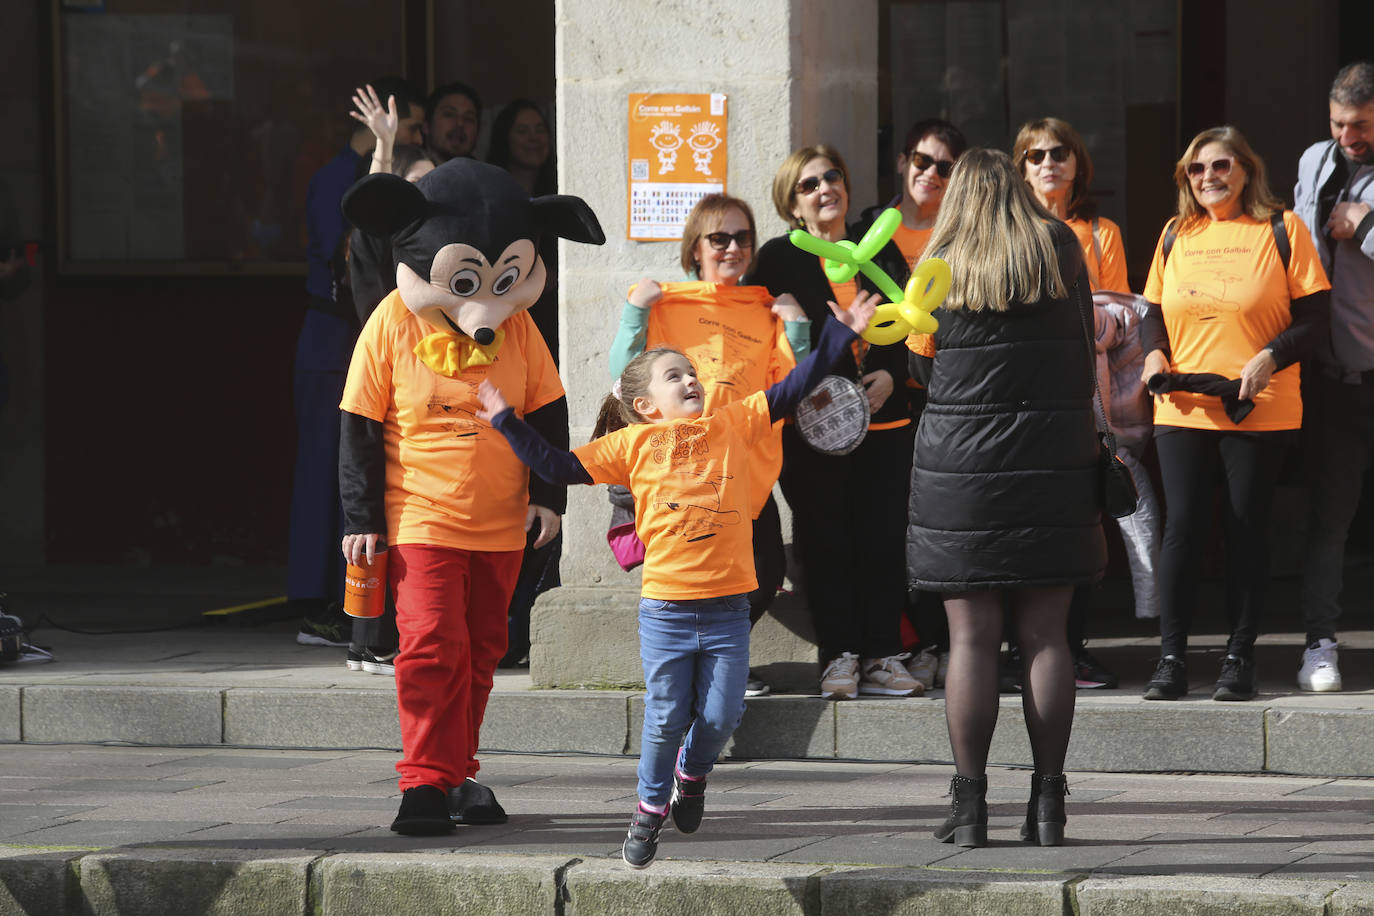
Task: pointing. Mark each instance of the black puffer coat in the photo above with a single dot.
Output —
(1004, 490)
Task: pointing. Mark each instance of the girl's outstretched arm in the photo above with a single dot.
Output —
(556, 465)
(836, 336)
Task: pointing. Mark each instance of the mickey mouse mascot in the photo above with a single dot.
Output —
(422, 476)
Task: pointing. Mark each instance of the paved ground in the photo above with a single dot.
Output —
(115, 828)
(125, 820)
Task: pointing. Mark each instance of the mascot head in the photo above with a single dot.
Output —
(466, 241)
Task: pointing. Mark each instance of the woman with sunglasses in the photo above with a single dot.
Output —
(1223, 303)
(1054, 161)
(741, 340)
(928, 156)
(848, 511)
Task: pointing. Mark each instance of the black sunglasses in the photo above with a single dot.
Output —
(831, 176)
(721, 240)
(1057, 153)
(1221, 167)
(922, 162)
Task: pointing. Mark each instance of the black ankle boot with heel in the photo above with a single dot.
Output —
(1045, 816)
(967, 824)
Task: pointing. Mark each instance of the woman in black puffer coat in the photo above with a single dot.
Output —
(1004, 490)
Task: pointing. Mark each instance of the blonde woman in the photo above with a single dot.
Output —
(1004, 496)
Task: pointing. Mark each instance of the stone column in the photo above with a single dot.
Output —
(795, 72)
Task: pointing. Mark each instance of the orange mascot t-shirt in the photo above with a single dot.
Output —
(738, 347)
(451, 479)
(1225, 295)
(692, 488)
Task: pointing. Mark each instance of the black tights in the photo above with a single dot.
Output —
(1040, 617)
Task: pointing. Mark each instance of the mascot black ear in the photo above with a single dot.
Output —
(383, 204)
(568, 218)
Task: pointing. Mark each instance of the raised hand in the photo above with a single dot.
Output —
(645, 293)
(381, 121)
(860, 313)
(788, 308)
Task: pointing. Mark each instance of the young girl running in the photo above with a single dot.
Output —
(690, 478)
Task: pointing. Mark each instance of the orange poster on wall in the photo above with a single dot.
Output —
(677, 156)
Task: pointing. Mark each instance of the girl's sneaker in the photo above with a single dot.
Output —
(641, 843)
(689, 801)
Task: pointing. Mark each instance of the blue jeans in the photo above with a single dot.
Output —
(696, 663)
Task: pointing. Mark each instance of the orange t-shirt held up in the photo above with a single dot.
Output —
(1224, 295)
(451, 479)
(692, 488)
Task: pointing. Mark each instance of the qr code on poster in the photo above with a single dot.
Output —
(639, 169)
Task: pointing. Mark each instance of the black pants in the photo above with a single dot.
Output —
(1190, 461)
(849, 530)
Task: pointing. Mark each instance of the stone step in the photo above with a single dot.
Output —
(290, 882)
(1328, 735)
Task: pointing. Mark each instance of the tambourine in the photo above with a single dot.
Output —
(833, 417)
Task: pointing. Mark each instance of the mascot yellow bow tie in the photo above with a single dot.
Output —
(450, 355)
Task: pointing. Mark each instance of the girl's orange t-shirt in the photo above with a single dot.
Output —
(738, 347)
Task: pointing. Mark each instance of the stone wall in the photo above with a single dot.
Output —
(795, 72)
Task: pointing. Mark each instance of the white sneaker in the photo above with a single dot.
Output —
(1319, 672)
(924, 667)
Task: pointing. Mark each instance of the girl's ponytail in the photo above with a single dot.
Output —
(610, 417)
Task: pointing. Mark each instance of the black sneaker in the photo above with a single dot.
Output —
(378, 661)
(755, 686)
(641, 843)
(688, 803)
(475, 804)
(1237, 680)
(334, 628)
(1089, 673)
(1170, 680)
(1009, 677)
(354, 659)
(424, 812)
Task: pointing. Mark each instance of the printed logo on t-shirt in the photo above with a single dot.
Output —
(695, 507)
(1210, 288)
(454, 418)
(678, 443)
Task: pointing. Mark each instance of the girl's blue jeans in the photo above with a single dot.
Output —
(696, 663)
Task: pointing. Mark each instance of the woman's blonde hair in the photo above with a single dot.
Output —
(1256, 200)
(706, 217)
(1062, 132)
(789, 173)
(995, 236)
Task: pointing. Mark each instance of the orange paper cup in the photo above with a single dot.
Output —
(365, 587)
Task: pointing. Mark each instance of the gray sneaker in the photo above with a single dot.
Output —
(924, 667)
(888, 677)
(841, 678)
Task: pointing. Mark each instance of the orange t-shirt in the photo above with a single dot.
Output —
(1225, 296)
(1110, 273)
(690, 480)
(451, 480)
(912, 243)
(738, 347)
